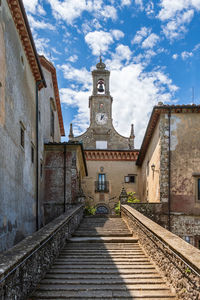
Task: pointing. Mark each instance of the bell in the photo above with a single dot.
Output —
(100, 88)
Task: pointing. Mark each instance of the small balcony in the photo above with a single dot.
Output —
(101, 186)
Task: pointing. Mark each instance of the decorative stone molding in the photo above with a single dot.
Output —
(111, 155)
(24, 265)
(178, 261)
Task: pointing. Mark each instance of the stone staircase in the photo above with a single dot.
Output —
(103, 261)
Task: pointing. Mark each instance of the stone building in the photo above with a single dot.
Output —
(110, 157)
(169, 168)
(30, 115)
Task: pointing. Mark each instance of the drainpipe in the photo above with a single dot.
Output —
(169, 172)
(64, 203)
(37, 157)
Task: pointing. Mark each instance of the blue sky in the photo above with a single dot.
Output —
(152, 49)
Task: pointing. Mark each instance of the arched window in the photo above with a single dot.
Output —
(101, 86)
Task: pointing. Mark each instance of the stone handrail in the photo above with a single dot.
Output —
(24, 265)
(178, 261)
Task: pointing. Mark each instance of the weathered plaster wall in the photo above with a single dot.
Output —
(17, 102)
(149, 180)
(18, 106)
(115, 172)
(185, 162)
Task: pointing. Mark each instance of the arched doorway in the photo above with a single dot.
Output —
(102, 209)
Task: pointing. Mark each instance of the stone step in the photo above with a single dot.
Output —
(100, 281)
(104, 239)
(114, 277)
(90, 286)
(103, 294)
(100, 260)
(103, 261)
(103, 233)
(114, 270)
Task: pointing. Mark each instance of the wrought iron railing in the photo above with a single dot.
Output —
(101, 186)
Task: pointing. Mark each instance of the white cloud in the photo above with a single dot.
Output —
(30, 6)
(176, 15)
(36, 24)
(150, 41)
(140, 35)
(99, 41)
(139, 3)
(42, 46)
(125, 2)
(117, 34)
(149, 8)
(108, 11)
(70, 10)
(73, 58)
(175, 56)
(122, 54)
(80, 76)
(186, 54)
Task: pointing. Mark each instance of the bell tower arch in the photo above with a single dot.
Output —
(101, 78)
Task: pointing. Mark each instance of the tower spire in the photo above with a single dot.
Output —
(71, 135)
(131, 138)
(132, 132)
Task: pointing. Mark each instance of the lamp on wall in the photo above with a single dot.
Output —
(153, 167)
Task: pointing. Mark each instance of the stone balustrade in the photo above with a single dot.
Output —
(178, 261)
(23, 266)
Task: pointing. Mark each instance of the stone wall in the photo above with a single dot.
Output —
(157, 212)
(24, 265)
(177, 261)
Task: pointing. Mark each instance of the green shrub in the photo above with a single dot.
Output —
(117, 209)
(132, 198)
(90, 210)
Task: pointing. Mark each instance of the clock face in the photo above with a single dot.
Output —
(101, 118)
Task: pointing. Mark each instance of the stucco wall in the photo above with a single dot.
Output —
(149, 180)
(115, 172)
(185, 162)
(18, 106)
(17, 183)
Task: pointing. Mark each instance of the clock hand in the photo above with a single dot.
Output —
(102, 116)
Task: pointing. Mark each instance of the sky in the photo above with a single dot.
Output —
(152, 49)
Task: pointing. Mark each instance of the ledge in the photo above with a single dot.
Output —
(22, 251)
(186, 251)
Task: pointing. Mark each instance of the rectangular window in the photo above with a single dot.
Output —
(22, 135)
(129, 179)
(101, 145)
(52, 124)
(198, 189)
(101, 185)
(32, 154)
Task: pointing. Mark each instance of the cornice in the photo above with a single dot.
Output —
(109, 155)
(21, 22)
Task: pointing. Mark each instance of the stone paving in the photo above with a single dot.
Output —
(103, 261)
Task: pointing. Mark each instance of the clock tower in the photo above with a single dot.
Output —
(101, 133)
